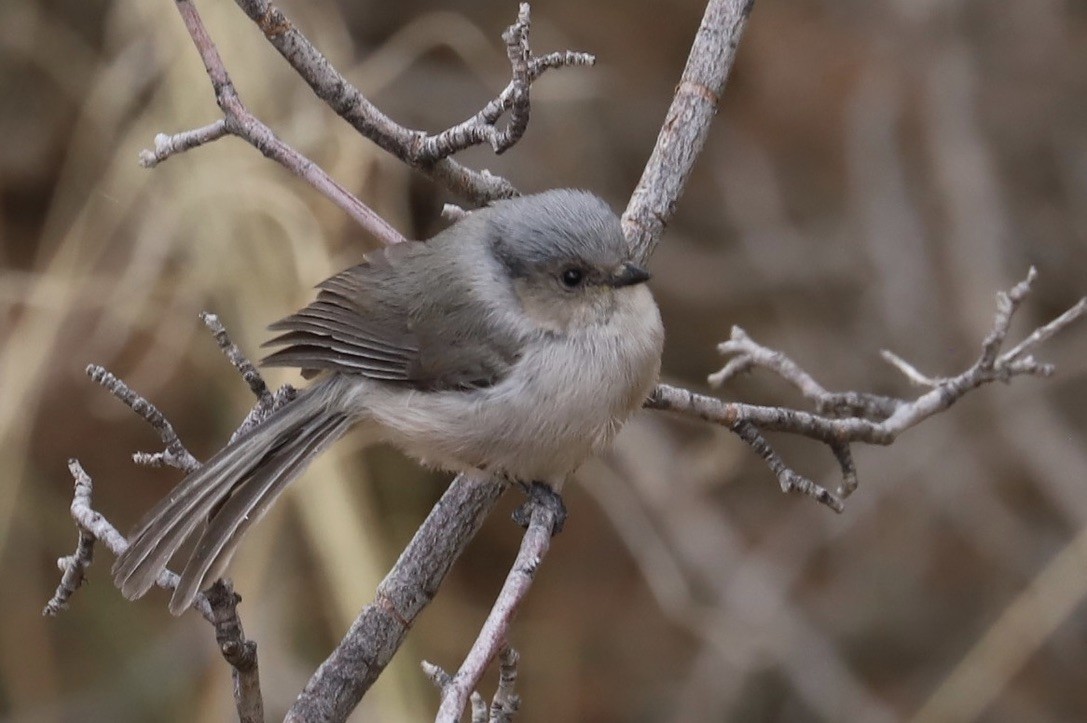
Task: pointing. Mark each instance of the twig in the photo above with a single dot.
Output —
(73, 570)
(1045, 332)
(478, 708)
(427, 153)
(175, 454)
(844, 455)
(267, 402)
(505, 703)
(238, 121)
(166, 146)
(237, 650)
(545, 512)
(747, 355)
(219, 604)
(908, 370)
(217, 607)
(98, 528)
(375, 636)
(686, 125)
(842, 419)
(238, 360)
(789, 480)
(351, 105)
(480, 128)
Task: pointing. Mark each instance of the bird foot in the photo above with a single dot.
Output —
(541, 494)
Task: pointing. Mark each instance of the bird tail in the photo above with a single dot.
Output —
(230, 492)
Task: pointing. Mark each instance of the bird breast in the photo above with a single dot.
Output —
(565, 398)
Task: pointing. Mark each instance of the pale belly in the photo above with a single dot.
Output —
(563, 401)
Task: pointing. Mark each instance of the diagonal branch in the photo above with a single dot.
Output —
(686, 125)
(175, 454)
(545, 515)
(351, 105)
(427, 153)
(377, 633)
(505, 703)
(238, 121)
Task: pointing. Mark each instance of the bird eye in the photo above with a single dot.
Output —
(572, 277)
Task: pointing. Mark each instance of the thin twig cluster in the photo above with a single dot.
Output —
(218, 605)
(514, 99)
(505, 702)
(841, 419)
(543, 516)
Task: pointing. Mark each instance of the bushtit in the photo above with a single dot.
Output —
(516, 341)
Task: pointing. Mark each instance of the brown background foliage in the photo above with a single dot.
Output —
(877, 171)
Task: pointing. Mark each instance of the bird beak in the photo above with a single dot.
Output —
(629, 274)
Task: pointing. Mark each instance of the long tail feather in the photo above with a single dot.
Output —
(247, 505)
(234, 488)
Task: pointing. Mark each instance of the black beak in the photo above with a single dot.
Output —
(629, 274)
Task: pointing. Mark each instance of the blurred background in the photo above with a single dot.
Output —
(878, 170)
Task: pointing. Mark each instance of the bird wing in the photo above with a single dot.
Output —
(400, 317)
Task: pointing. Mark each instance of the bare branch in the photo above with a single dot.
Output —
(844, 456)
(266, 401)
(166, 146)
(746, 355)
(505, 703)
(218, 606)
(94, 524)
(237, 650)
(789, 480)
(546, 515)
(908, 370)
(238, 121)
(375, 636)
(436, 674)
(844, 418)
(1043, 333)
(1007, 303)
(426, 153)
(478, 707)
(351, 105)
(238, 360)
(480, 128)
(73, 574)
(686, 124)
(175, 454)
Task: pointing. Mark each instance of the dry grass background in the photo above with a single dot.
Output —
(877, 171)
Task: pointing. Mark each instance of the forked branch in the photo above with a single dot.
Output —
(844, 418)
(543, 515)
(481, 128)
(218, 606)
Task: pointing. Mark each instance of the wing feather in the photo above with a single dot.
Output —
(403, 317)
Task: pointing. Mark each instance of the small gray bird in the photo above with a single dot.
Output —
(516, 341)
